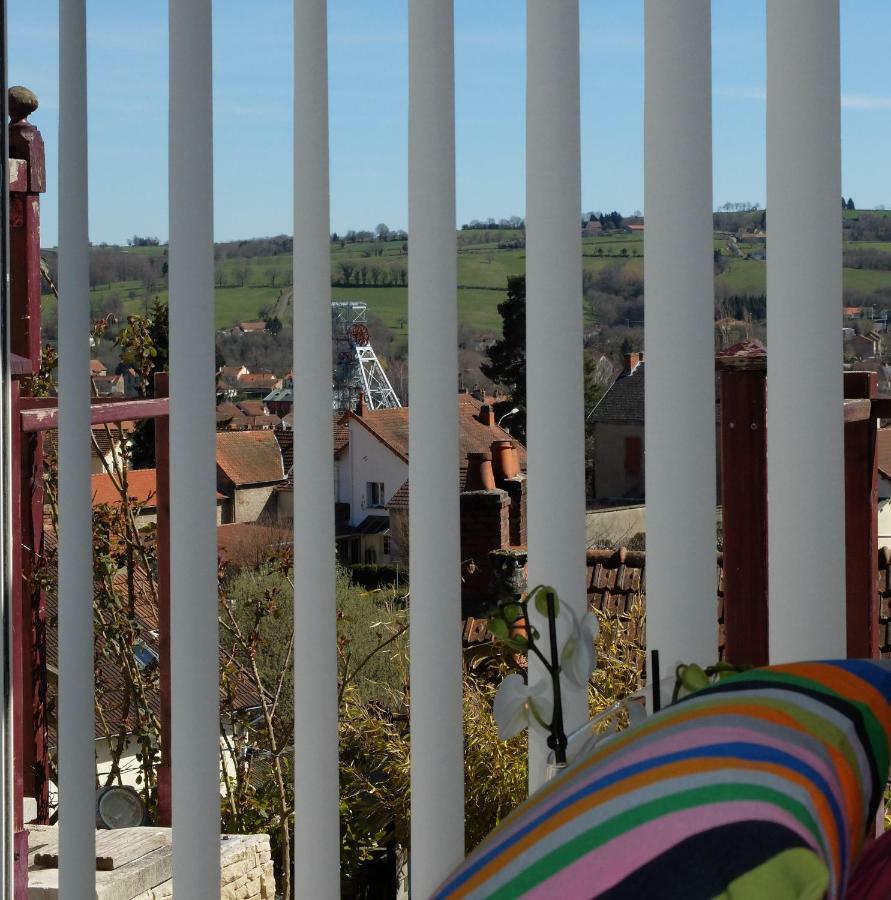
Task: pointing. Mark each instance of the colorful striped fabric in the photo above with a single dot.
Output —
(774, 774)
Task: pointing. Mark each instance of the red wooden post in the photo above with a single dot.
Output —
(20, 675)
(31, 763)
(861, 522)
(162, 468)
(744, 493)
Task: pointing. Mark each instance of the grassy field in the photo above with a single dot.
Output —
(252, 284)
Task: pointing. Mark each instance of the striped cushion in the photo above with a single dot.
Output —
(781, 767)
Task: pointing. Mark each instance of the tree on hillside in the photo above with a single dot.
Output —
(382, 231)
(507, 357)
(850, 203)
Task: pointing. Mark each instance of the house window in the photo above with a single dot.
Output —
(632, 455)
(386, 545)
(374, 494)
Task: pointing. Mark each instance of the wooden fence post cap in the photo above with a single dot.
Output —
(22, 102)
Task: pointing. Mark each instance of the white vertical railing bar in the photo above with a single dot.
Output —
(316, 819)
(437, 762)
(805, 469)
(194, 659)
(77, 766)
(555, 422)
(679, 333)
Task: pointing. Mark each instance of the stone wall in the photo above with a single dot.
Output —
(246, 871)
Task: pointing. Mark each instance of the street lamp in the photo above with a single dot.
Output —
(513, 412)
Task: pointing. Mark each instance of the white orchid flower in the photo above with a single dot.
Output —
(577, 658)
(519, 705)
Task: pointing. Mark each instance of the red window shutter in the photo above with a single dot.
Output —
(632, 455)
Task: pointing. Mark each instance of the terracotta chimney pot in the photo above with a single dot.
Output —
(504, 459)
(480, 476)
(487, 415)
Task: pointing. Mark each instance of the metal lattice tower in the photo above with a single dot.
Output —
(357, 369)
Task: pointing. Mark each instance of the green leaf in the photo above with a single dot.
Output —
(693, 678)
(512, 612)
(518, 642)
(541, 600)
(499, 628)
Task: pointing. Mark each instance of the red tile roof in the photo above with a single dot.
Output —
(97, 367)
(252, 407)
(141, 487)
(249, 457)
(390, 426)
(257, 380)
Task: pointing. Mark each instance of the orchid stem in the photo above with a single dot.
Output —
(557, 740)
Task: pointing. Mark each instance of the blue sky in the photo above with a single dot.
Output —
(368, 77)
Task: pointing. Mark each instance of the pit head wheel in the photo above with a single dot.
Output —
(360, 335)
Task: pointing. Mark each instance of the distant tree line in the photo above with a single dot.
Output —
(348, 272)
(512, 222)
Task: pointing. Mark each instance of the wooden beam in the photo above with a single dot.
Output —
(744, 495)
(44, 418)
(861, 520)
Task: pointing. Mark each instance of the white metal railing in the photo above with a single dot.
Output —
(316, 820)
(194, 640)
(679, 331)
(437, 771)
(77, 795)
(805, 462)
(555, 403)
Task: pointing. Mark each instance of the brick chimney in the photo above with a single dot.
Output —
(360, 404)
(487, 415)
(632, 360)
(485, 526)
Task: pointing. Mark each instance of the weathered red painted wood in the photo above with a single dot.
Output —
(25, 144)
(861, 522)
(21, 650)
(744, 493)
(18, 176)
(42, 418)
(162, 467)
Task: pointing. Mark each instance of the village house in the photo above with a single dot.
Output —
(227, 380)
(371, 484)
(108, 448)
(617, 423)
(142, 489)
(280, 400)
(256, 414)
(249, 470)
(865, 346)
(257, 384)
(242, 328)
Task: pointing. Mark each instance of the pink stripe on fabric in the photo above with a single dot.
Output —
(607, 865)
(672, 743)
